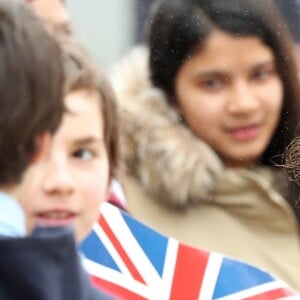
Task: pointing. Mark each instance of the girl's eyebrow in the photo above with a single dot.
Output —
(265, 64)
(209, 73)
(88, 140)
(213, 73)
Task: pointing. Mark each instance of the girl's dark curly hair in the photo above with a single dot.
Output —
(292, 161)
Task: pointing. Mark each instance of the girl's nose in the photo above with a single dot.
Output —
(242, 99)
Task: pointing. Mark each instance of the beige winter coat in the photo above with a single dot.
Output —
(178, 185)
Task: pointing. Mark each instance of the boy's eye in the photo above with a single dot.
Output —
(84, 154)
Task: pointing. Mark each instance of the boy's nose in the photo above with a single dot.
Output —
(58, 179)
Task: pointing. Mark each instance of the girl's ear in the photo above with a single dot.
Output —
(42, 145)
(178, 109)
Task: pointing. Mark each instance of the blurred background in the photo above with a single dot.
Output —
(109, 28)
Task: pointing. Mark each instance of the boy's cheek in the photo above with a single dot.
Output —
(31, 185)
(95, 194)
(30, 222)
(30, 205)
(95, 188)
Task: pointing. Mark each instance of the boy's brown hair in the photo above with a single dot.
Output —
(31, 79)
(81, 74)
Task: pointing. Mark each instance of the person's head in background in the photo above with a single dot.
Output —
(31, 84)
(54, 12)
(292, 163)
(70, 183)
(228, 68)
(290, 11)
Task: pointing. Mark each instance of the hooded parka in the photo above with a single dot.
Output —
(176, 183)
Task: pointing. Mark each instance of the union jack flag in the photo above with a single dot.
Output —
(131, 261)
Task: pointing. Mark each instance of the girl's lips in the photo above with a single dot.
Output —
(55, 218)
(245, 133)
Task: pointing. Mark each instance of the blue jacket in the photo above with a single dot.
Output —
(44, 266)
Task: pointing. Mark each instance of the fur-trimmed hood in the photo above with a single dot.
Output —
(172, 164)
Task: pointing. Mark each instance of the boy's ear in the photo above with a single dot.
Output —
(42, 145)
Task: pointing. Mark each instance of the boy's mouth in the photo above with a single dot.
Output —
(55, 218)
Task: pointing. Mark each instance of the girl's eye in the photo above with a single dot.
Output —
(263, 74)
(211, 84)
(260, 74)
(84, 154)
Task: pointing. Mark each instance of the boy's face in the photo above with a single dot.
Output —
(67, 185)
(53, 12)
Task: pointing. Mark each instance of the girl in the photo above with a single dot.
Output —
(204, 111)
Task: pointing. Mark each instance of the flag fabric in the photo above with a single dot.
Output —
(116, 195)
(132, 261)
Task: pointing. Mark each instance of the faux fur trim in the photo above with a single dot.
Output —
(172, 164)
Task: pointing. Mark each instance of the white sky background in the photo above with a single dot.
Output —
(106, 27)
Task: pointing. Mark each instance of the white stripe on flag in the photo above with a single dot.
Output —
(210, 276)
(169, 268)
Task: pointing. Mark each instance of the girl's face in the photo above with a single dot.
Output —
(67, 185)
(230, 94)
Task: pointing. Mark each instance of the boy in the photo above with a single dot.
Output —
(68, 185)
(44, 265)
(56, 16)
(31, 79)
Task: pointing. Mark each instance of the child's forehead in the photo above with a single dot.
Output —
(82, 95)
(83, 119)
(83, 102)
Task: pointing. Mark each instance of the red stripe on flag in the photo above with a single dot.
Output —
(114, 290)
(186, 284)
(274, 294)
(130, 265)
